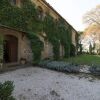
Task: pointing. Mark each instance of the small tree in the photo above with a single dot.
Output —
(93, 16)
(80, 48)
(90, 48)
(80, 38)
(94, 47)
(98, 51)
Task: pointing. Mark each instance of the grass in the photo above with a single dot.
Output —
(84, 59)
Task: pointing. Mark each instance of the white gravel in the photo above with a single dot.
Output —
(42, 84)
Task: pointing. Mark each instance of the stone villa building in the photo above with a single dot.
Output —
(16, 44)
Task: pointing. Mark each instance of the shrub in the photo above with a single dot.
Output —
(95, 69)
(60, 66)
(6, 90)
(43, 63)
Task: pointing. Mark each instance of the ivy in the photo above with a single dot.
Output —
(30, 17)
(56, 49)
(72, 50)
(65, 37)
(50, 28)
(36, 45)
(25, 18)
(58, 34)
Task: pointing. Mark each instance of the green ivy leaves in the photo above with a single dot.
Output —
(25, 18)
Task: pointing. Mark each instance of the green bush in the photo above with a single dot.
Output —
(43, 63)
(95, 69)
(60, 66)
(6, 90)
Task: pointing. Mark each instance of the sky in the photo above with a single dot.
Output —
(74, 10)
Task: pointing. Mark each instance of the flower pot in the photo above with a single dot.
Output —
(23, 61)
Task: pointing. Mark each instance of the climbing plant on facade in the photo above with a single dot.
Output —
(26, 18)
(23, 18)
(36, 45)
(58, 34)
(31, 17)
(65, 37)
(50, 28)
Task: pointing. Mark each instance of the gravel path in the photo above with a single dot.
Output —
(42, 84)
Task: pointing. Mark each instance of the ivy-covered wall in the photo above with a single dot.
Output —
(26, 18)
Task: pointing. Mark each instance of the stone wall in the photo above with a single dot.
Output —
(24, 50)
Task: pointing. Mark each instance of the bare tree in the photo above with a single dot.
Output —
(92, 16)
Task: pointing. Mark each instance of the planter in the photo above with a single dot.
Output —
(23, 61)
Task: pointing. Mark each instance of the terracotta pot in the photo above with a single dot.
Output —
(23, 61)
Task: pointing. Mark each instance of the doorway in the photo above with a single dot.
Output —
(10, 49)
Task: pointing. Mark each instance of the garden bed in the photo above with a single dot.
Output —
(66, 67)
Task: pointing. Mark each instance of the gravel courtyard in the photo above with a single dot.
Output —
(35, 83)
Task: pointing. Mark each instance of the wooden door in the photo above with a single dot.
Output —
(10, 49)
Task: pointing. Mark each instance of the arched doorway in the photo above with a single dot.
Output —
(10, 49)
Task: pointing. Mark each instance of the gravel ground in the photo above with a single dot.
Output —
(35, 83)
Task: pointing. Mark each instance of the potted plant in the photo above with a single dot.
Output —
(23, 61)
